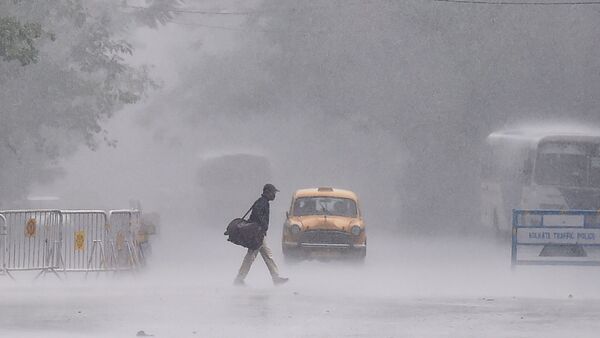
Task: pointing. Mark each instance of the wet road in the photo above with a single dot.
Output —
(418, 289)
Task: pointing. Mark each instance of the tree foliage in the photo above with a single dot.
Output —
(438, 77)
(73, 81)
(17, 40)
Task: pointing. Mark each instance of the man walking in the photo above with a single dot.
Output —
(260, 215)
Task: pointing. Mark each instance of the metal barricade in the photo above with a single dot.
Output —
(121, 234)
(83, 241)
(31, 239)
(138, 237)
(69, 241)
(3, 243)
(555, 237)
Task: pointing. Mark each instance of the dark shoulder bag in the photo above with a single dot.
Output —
(247, 234)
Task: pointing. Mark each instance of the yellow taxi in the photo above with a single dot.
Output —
(324, 222)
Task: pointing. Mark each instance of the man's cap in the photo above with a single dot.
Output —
(270, 187)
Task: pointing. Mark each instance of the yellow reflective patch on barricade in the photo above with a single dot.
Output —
(31, 227)
(79, 240)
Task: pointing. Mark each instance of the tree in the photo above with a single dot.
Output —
(17, 40)
(71, 84)
(437, 77)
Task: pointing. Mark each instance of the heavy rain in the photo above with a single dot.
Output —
(462, 138)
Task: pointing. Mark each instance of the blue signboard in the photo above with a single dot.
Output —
(555, 237)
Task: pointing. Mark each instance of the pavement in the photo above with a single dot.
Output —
(416, 287)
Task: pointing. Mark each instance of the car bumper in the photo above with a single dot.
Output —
(303, 250)
(296, 245)
(323, 245)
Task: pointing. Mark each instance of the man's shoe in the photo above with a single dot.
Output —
(239, 282)
(280, 280)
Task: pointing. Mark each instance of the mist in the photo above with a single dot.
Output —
(194, 105)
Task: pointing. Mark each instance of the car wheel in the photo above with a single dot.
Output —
(361, 255)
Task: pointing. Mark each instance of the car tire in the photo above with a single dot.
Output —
(361, 255)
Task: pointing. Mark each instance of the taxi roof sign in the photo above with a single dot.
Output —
(325, 189)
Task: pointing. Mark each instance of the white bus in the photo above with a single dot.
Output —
(525, 169)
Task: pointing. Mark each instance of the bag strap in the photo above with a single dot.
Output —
(247, 212)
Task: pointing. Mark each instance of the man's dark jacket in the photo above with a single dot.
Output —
(260, 213)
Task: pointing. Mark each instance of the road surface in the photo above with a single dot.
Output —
(407, 288)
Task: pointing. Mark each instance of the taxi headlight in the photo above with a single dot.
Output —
(355, 230)
(295, 229)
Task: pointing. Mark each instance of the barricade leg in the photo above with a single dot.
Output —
(113, 256)
(96, 243)
(4, 270)
(102, 258)
(45, 271)
(103, 264)
(59, 257)
(7, 273)
(138, 255)
(90, 259)
(141, 255)
(4, 247)
(50, 262)
(131, 255)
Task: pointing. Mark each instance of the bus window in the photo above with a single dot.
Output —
(595, 171)
(564, 164)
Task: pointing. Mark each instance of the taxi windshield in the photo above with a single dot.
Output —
(328, 206)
